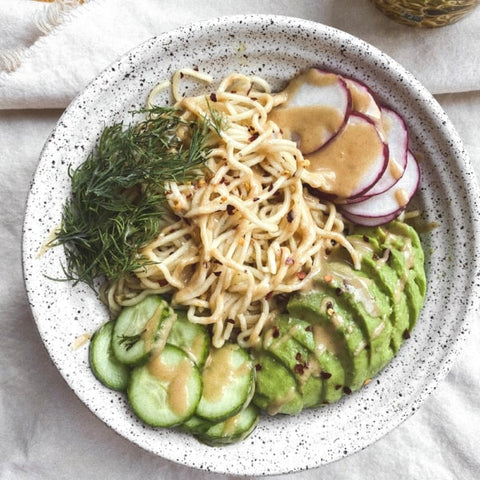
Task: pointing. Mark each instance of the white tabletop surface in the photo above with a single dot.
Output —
(46, 432)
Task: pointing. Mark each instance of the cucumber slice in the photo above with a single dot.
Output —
(193, 338)
(138, 329)
(165, 392)
(228, 383)
(195, 425)
(233, 429)
(103, 362)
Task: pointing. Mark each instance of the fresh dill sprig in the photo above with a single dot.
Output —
(118, 195)
(129, 341)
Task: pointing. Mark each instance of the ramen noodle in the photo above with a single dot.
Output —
(246, 235)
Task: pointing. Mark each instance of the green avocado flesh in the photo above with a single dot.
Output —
(347, 327)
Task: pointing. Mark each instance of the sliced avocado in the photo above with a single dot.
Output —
(345, 339)
(406, 259)
(328, 366)
(275, 388)
(376, 263)
(299, 360)
(412, 292)
(401, 228)
(370, 309)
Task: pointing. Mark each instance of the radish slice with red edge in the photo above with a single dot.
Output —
(327, 98)
(363, 101)
(370, 221)
(385, 206)
(396, 136)
(351, 162)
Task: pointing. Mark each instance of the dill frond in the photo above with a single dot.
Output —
(118, 198)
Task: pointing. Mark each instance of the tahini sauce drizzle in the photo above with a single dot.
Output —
(219, 372)
(347, 156)
(307, 124)
(176, 377)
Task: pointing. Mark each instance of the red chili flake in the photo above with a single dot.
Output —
(309, 328)
(347, 390)
(268, 296)
(230, 209)
(270, 187)
(289, 261)
(290, 216)
(298, 357)
(299, 368)
(406, 334)
(325, 375)
(162, 283)
(301, 275)
(276, 332)
(258, 367)
(213, 97)
(217, 274)
(254, 137)
(256, 199)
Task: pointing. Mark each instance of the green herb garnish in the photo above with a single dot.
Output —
(129, 341)
(118, 196)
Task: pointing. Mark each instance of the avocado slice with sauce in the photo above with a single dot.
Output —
(299, 360)
(348, 326)
(276, 389)
(327, 365)
(376, 263)
(322, 308)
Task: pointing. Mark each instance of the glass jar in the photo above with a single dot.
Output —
(426, 13)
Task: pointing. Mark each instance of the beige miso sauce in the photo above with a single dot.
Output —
(349, 155)
(346, 157)
(363, 102)
(307, 124)
(219, 372)
(176, 377)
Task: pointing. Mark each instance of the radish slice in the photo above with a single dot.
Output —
(389, 204)
(370, 221)
(363, 101)
(316, 107)
(351, 162)
(396, 136)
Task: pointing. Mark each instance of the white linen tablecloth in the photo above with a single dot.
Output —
(48, 53)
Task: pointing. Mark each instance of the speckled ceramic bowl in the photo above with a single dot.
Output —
(275, 48)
